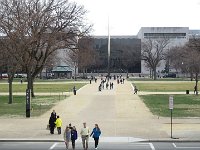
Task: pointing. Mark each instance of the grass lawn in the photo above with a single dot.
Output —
(184, 105)
(40, 105)
(166, 87)
(159, 79)
(43, 87)
(5, 80)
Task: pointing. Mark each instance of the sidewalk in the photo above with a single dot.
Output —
(119, 113)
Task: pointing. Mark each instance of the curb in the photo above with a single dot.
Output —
(103, 141)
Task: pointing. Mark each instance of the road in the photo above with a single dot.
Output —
(102, 146)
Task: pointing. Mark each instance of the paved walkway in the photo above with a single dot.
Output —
(118, 112)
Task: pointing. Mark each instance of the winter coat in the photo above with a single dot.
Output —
(51, 122)
(58, 122)
(74, 134)
(96, 133)
(67, 135)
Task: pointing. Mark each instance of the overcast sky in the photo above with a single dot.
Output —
(128, 16)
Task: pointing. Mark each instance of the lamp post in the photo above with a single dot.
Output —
(75, 70)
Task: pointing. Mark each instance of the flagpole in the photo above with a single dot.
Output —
(108, 47)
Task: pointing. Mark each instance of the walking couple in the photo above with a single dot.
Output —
(85, 132)
(70, 134)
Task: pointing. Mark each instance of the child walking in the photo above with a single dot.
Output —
(74, 136)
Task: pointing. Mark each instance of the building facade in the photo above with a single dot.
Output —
(177, 36)
(125, 54)
(125, 51)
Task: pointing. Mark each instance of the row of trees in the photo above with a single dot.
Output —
(34, 30)
(184, 58)
(187, 59)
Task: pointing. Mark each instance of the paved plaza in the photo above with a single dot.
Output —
(119, 113)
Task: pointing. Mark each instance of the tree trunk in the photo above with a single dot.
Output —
(191, 76)
(196, 79)
(75, 74)
(150, 73)
(154, 74)
(30, 84)
(10, 80)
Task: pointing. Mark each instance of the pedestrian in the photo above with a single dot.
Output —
(96, 132)
(95, 80)
(53, 114)
(67, 136)
(85, 136)
(74, 136)
(100, 87)
(135, 90)
(195, 89)
(58, 124)
(123, 80)
(70, 126)
(21, 81)
(52, 124)
(74, 90)
(112, 85)
(107, 85)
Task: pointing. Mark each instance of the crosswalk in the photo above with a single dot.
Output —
(109, 146)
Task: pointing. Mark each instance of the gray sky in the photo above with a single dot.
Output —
(127, 16)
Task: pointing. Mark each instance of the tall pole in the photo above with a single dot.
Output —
(108, 47)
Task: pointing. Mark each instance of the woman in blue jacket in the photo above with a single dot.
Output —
(96, 132)
(74, 136)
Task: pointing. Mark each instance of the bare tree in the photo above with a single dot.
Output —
(131, 56)
(153, 51)
(86, 56)
(38, 29)
(83, 56)
(10, 62)
(187, 58)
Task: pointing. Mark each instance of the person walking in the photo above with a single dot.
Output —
(85, 136)
(58, 124)
(74, 136)
(135, 90)
(52, 124)
(195, 89)
(70, 126)
(67, 136)
(96, 132)
(74, 90)
(53, 114)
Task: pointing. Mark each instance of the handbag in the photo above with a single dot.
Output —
(48, 128)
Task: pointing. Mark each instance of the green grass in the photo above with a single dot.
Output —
(43, 87)
(159, 79)
(39, 105)
(184, 105)
(43, 80)
(166, 87)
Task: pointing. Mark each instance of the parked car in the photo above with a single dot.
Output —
(4, 75)
(170, 75)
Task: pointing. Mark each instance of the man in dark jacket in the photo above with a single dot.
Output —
(74, 136)
(51, 124)
(53, 114)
